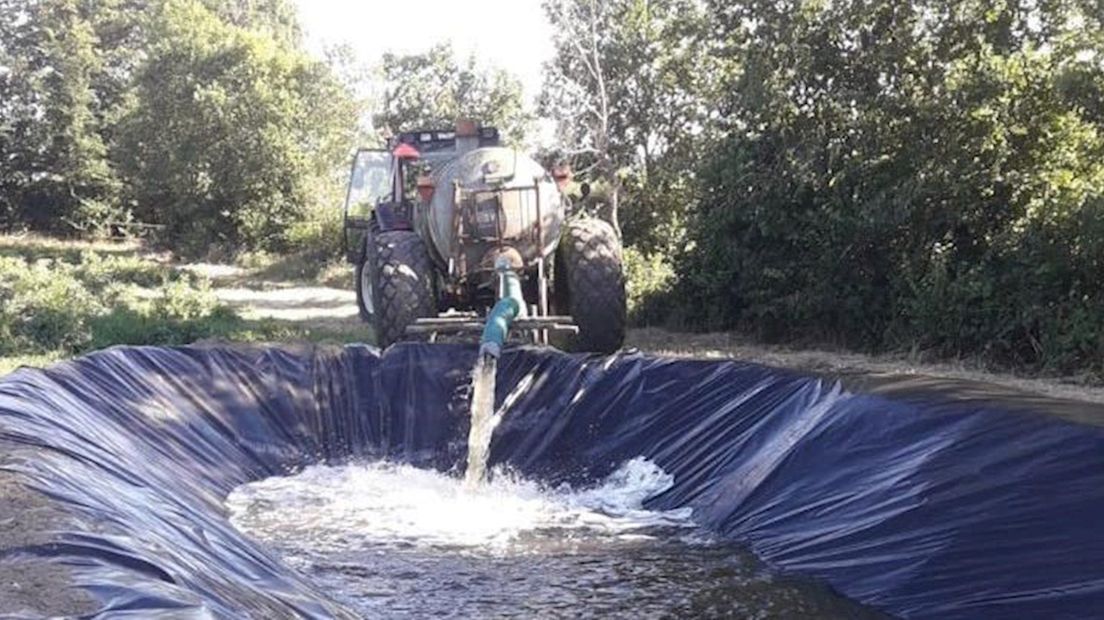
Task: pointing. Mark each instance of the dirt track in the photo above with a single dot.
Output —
(284, 301)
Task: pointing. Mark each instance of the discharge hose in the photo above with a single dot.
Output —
(510, 305)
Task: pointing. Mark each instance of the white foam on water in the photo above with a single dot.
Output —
(394, 541)
(335, 508)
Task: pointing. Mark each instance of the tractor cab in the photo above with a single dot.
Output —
(370, 183)
(389, 178)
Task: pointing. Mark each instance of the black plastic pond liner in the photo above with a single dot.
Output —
(922, 505)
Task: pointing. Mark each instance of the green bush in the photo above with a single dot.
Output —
(938, 186)
(184, 300)
(257, 128)
(318, 235)
(649, 278)
(43, 307)
(314, 252)
(50, 305)
(135, 326)
(1037, 301)
(99, 271)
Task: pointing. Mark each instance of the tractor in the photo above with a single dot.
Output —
(452, 232)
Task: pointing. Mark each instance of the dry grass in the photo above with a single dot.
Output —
(728, 345)
(34, 247)
(37, 360)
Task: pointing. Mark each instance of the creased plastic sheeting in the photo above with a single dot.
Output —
(144, 444)
(925, 507)
(921, 509)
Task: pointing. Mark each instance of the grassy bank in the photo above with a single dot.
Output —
(59, 299)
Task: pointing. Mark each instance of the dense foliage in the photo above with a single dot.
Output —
(924, 175)
(435, 89)
(93, 300)
(204, 119)
(632, 87)
(56, 95)
(234, 136)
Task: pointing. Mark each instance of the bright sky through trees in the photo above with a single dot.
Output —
(511, 34)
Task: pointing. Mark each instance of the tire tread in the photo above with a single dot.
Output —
(403, 284)
(589, 264)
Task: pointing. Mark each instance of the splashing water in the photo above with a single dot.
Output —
(484, 419)
(393, 541)
(385, 503)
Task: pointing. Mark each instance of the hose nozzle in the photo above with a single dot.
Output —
(490, 349)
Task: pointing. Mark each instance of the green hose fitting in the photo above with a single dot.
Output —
(510, 305)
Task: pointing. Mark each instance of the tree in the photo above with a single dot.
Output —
(56, 173)
(233, 133)
(632, 87)
(13, 112)
(578, 84)
(922, 174)
(273, 18)
(82, 138)
(434, 89)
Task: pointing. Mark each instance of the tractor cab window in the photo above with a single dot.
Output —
(370, 182)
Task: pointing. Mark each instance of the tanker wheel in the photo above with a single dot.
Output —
(590, 286)
(402, 278)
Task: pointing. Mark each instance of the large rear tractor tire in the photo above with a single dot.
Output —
(402, 275)
(590, 285)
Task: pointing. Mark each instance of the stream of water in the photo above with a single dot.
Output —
(483, 419)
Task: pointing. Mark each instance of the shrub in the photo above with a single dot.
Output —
(49, 305)
(319, 235)
(43, 307)
(99, 271)
(649, 278)
(137, 326)
(184, 299)
(920, 189)
(314, 252)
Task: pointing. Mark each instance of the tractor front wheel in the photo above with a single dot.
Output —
(365, 293)
(590, 285)
(402, 279)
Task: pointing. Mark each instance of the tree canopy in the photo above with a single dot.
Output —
(52, 121)
(922, 174)
(435, 88)
(232, 132)
(205, 118)
(631, 87)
